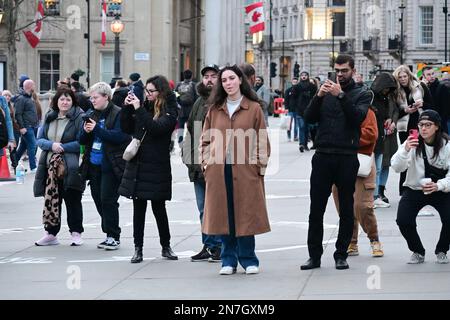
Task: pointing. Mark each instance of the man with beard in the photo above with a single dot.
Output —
(264, 95)
(211, 244)
(339, 109)
(303, 92)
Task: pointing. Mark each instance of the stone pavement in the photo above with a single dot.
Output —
(64, 272)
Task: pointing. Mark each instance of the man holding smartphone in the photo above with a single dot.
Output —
(339, 108)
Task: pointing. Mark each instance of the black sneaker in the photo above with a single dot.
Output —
(215, 255)
(203, 255)
(112, 244)
(302, 149)
(102, 245)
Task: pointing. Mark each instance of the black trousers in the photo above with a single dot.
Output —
(162, 222)
(410, 204)
(329, 169)
(72, 199)
(104, 191)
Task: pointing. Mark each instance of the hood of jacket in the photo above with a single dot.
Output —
(383, 81)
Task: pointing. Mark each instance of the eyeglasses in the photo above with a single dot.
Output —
(151, 91)
(426, 125)
(341, 71)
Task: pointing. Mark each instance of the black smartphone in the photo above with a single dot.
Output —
(332, 76)
(86, 118)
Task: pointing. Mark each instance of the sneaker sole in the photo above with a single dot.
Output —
(111, 249)
(53, 243)
(214, 260)
(73, 244)
(199, 260)
(353, 254)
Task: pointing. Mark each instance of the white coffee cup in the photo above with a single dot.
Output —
(424, 182)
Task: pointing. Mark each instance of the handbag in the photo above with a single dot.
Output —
(133, 148)
(285, 122)
(365, 165)
(432, 172)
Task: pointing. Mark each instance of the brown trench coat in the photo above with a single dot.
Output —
(249, 163)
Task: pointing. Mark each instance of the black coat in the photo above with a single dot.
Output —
(149, 176)
(119, 96)
(302, 94)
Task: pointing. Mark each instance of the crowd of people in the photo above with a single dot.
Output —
(353, 129)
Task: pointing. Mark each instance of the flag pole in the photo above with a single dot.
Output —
(88, 37)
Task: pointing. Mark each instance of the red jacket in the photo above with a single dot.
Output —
(369, 134)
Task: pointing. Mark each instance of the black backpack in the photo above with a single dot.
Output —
(187, 93)
(3, 131)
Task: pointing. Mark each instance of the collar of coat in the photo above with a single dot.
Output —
(245, 104)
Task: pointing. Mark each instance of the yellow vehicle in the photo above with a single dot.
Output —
(439, 68)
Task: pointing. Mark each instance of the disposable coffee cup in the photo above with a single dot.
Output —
(424, 182)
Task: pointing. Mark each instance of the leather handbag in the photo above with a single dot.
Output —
(365, 165)
(133, 148)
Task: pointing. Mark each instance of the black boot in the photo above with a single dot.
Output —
(381, 193)
(168, 253)
(138, 257)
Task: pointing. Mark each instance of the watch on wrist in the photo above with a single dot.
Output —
(341, 95)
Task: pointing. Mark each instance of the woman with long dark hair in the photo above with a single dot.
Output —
(58, 177)
(234, 154)
(148, 175)
(427, 159)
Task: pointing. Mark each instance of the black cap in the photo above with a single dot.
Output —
(212, 67)
(75, 77)
(432, 116)
(135, 76)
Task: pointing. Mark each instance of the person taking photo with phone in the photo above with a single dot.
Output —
(427, 159)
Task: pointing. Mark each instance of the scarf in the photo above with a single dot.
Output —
(56, 170)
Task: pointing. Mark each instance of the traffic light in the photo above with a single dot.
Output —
(296, 70)
(273, 69)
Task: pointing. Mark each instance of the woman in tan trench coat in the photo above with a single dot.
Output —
(234, 152)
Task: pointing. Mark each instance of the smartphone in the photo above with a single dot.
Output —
(414, 133)
(131, 91)
(332, 76)
(86, 118)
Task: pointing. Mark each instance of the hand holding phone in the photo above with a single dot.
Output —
(86, 119)
(414, 133)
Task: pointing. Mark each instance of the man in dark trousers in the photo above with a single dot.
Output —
(339, 109)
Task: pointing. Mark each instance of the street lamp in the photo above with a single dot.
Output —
(117, 27)
(333, 20)
(283, 67)
(445, 10)
(402, 10)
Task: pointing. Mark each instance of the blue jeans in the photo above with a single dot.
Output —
(28, 142)
(234, 248)
(294, 121)
(378, 165)
(384, 176)
(304, 131)
(211, 242)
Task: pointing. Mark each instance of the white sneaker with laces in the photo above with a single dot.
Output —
(227, 271)
(378, 203)
(76, 239)
(416, 258)
(441, 258)
(252, 270)
(47, 240)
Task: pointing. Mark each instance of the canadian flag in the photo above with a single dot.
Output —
(103, 22)
(255, 13)
(34, 36)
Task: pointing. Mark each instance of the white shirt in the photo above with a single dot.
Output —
(403, 160)
(232, 106)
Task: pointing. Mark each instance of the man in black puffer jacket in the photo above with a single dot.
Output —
(339, 109)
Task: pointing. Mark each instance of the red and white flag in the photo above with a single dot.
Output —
(255, 13)
(34, 35)
(103, 22)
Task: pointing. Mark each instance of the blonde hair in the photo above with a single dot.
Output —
(101, 88)
(6, 93)
(412, 79)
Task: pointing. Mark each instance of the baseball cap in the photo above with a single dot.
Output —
(212, 67)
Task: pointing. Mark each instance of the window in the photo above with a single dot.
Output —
(336, 3)
(51, 7)
(426, 25)
(339, 24)
(107, 67)
(49, 70)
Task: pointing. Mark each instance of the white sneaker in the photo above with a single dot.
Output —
(227, 271)
(441, 258)
(252, 270)
(47, 240)
(76, 239)
(416, 258)
(378, 203)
